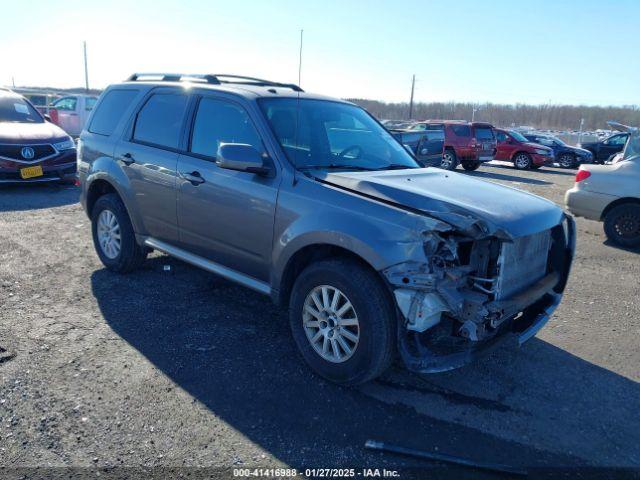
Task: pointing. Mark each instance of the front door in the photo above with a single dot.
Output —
(148, 154)
(505, 146)
(224, 215)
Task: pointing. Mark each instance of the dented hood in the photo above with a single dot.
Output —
(455, 198)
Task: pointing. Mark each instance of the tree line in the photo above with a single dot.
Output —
(546, 116)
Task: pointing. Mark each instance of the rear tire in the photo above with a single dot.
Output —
(522, 161)
(567, 160)
(622, 225)
(370, 321)
(449, 160)
(470, 166)
(113, 235)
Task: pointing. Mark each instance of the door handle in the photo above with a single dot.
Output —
(194, 177)
(127, 159)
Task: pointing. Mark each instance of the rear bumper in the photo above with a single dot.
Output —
(583, 203)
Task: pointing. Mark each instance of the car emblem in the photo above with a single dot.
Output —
(27, 153)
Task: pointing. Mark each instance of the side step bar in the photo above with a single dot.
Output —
(210, 266)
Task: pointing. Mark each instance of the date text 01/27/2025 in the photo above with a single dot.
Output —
(316, 472)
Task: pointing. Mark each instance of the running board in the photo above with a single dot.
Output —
(209, 266)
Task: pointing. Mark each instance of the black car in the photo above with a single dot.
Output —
(427, 145)
(566, 155)
(32, 149)
(602, 150)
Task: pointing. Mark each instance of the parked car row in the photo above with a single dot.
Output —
(471, 143)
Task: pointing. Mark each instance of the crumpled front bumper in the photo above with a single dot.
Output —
(528, 313)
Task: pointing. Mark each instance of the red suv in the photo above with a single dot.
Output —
(468, 143)
(514, 147)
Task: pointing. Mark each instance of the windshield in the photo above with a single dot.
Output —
(15, 109)
(326, 134)
(518, 136)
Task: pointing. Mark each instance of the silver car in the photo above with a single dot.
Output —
(611, 193)
(310, 200)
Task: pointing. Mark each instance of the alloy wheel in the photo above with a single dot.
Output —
(331, 323)
(447, 160)
(566, 161)
(522, 161)
(109, 234)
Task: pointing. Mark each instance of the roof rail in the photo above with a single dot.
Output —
(212, 79)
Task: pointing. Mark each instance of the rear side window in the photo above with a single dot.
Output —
(461, 130)
(218, 121)
(160, 120)
(484, 133)
(90, 103)
(111, 109)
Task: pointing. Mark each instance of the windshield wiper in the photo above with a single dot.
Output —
(334, 166)
(395, 166)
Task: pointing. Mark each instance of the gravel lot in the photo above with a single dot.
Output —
(178, 368)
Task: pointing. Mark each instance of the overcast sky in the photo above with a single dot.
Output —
(574, 51)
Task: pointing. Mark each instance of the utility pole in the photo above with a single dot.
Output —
(13, 82)
(413, 85)
(86, 70)
(300, 59)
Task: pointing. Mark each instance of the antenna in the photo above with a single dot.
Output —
(86, 70)
(300, 58)
(413, 85)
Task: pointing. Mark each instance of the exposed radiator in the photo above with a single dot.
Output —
(522, 263)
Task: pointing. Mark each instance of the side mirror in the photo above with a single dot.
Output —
(241, 157)
(47, 118)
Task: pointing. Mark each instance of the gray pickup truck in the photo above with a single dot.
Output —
(310, 200)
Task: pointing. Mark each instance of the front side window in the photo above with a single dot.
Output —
(66, 104)
(617, 140)
(160, 121)
(326, 134)
(219, 121)
(15, 109)
(110, 111)
(502, 137)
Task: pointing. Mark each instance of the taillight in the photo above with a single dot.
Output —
(582, 174)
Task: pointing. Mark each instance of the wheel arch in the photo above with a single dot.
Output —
(309, 254)
(617, 202)
(99, 185)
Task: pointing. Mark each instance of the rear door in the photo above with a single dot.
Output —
(225, 216)
(485, 141)
(148, 154)
(431, 146)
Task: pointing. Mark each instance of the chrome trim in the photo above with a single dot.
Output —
(30, 162)
(209, 266)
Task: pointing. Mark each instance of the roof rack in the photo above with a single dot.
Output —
(212, 79)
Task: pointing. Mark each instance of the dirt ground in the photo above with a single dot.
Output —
(164, 369)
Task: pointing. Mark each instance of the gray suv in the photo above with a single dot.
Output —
(310, 200)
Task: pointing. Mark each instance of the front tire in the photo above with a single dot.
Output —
(522, 161)
(449, 160)
(113, 235)
(470, 166)
(622, 225)
(343, 321)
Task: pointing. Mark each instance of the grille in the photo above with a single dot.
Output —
(14, 152)
(522, 263)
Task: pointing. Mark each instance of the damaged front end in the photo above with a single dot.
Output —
(476, 289)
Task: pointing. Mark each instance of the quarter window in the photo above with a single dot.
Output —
(461, 130)
(111, 109)
(160, 120)
(218, 121)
